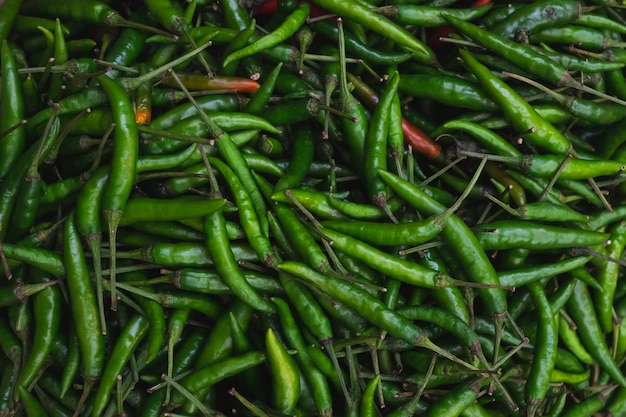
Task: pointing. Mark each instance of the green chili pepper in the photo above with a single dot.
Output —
(47, 306)
(520, 114)
(84, 307)
(11, 110)
(529, 60)
(285, 374)
(607, 277)
(220, 370)
(461, 240)
(583, 36)
(315, 378)
(369, 307)
(354, 46)
(536, 16)
(582, 311)
(587, 407)
(288, 27)
(446, 89)
(368, 405)
(525, 275)
(428, 16)
(405, 271)
(71, 366)
(544, 357)
(507, 234)
(368, 18)
(60, 58)
(148, 209)
(226, 264)
(9, 9)
(375, 155)
(123, 165)
(31, 404)
(133, 332)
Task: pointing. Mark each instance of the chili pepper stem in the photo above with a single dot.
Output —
(330, 351)
(247, 403)
(443, 170)
(12, 128)
(24, 291)
(5, 265)
(88, 384)
(585, 88)
(113, 218)
(96, 162)
(503, 205)
(170, 369)
(304, 36)
(331, 84)
(130, 84)
(420, 390)
(425, 342)
(381, 201)
(116, 20)
(190, 397)
(54, 151)
(45, 76)
(213, 184)
(441, 219)
(112, 65)
(180, 27)
(596, 189)
(555, 177)
(498, 321)
(93, 241)
(316, 106)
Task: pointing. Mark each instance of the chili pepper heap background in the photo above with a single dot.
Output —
(350, 208)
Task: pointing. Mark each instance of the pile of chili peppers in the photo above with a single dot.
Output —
(342, 207)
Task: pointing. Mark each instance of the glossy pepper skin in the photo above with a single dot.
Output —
(524, 119)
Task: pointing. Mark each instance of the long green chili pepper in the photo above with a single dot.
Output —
(285, 374)
(371, 308)
(84, 308)
(361, 14)
(581, 309)
(123, 165)
(361, 50)
(375, 155)
(226, 264)
(544, 357)
(537, 16)
(429, 16)
(9, 10)
(289, 26)
(527, 59)
(508, 234)
(47, 305)
(11, 111)
(520, 113)
(607, 276)
(134, 331)
(9, 188)
(462, 241)
(248, 219)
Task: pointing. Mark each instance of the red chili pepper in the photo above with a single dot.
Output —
(197, 82)
(419, 140)
(413, 135)
(269, 7)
